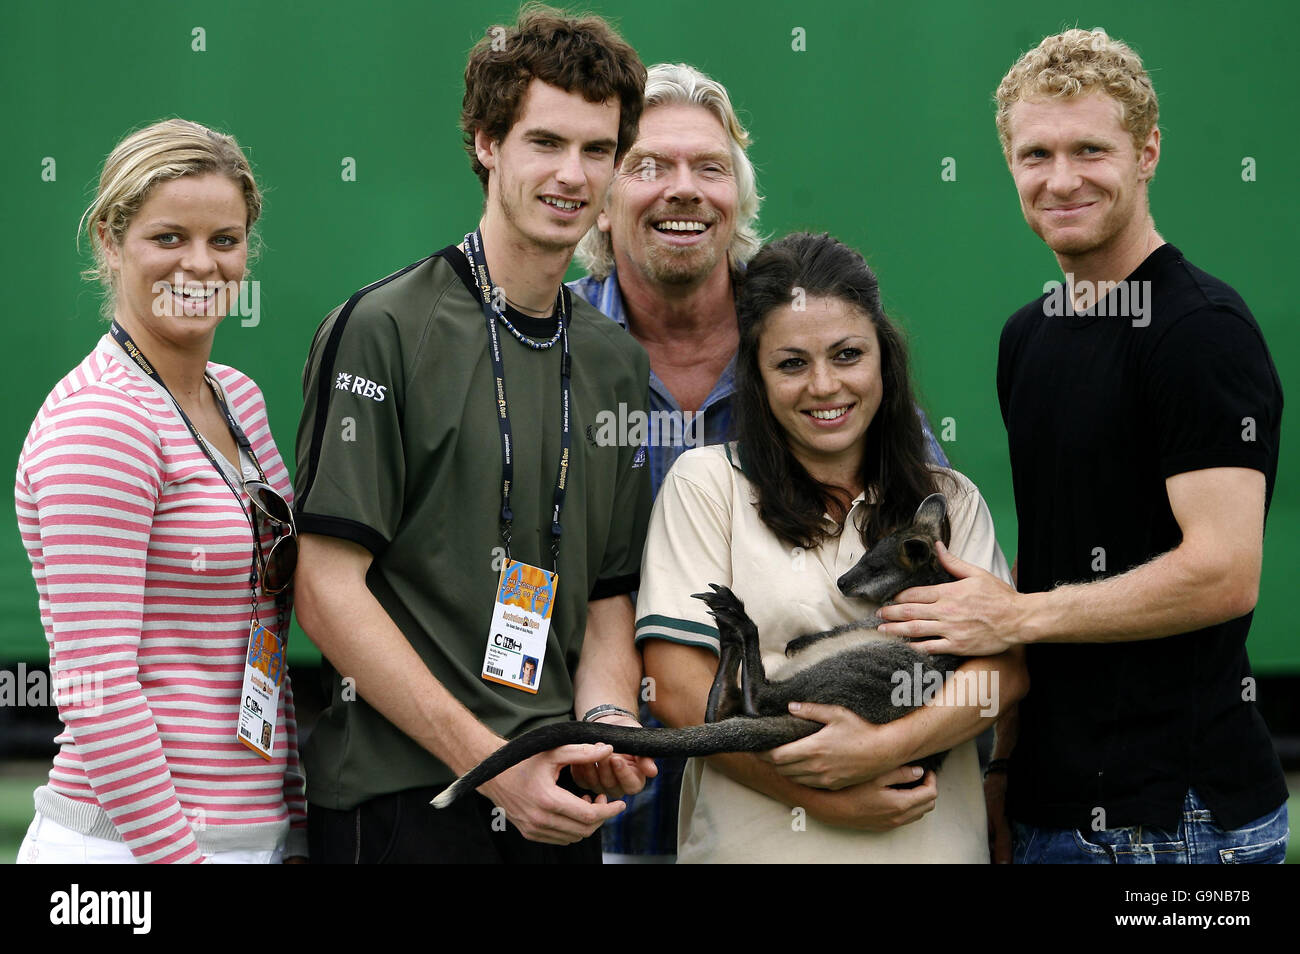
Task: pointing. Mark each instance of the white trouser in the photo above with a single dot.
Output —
(49, 843)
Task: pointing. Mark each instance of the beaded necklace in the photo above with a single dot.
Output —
(500, 313)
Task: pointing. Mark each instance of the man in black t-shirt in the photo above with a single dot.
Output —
(1143, 414)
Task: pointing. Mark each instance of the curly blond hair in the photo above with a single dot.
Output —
(1075, 63)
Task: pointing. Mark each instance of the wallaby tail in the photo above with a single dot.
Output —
(741, 734)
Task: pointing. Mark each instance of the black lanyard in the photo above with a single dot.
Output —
(477, 259)
(237, 432)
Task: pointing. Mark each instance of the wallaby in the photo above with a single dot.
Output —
(753, 716)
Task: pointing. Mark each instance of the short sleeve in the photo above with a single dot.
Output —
(1008, 349)
(973, 537)
(620, 564)
(351, 460)
(1212, 395)
(1004, 370)
(621, 567)
(689, 541)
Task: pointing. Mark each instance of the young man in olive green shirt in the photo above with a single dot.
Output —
(401, 498)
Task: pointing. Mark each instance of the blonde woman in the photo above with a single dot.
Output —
(154, 507)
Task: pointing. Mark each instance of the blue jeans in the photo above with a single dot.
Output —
(1198, 840)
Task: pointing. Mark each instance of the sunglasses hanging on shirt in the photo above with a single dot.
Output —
(275, 570)
(272, 573)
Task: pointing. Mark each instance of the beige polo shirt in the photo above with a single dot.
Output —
(706, 529)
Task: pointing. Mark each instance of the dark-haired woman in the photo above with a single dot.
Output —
(830, 458)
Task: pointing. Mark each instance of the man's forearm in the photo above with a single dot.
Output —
(1211, 576)
(609, 672)
(1178, 592)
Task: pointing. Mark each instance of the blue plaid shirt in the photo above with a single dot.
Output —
(649, 826)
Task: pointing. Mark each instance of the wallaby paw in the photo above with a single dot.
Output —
(725, 607)
(721, 600)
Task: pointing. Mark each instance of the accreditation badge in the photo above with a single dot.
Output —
(521, 623)
(264, 669)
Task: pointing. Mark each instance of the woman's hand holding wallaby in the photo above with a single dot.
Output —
(847, 751)
(876, 805)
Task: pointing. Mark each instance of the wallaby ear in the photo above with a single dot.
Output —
(932, 516)
(916, 551)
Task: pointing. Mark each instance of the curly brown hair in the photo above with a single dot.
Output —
(576, 54)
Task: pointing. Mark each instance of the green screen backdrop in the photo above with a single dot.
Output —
(857, 110)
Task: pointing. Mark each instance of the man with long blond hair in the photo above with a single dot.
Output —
(662, 261)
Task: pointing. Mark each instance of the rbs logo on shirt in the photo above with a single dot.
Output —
(359, 385)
